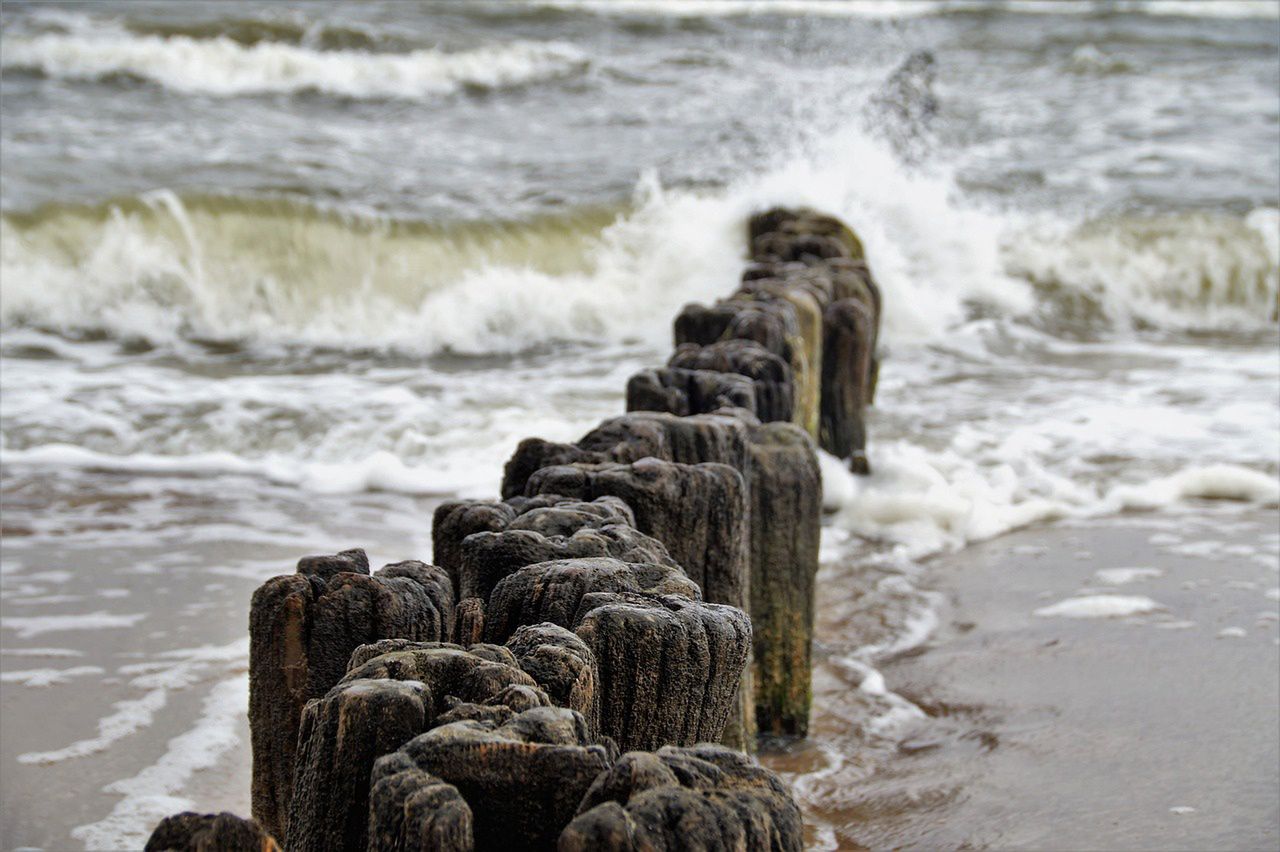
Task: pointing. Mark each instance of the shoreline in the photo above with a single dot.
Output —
(1149, 731)
(943, 784)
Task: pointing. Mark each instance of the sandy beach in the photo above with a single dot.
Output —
(1158, 730)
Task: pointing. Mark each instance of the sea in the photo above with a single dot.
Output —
(276, 279)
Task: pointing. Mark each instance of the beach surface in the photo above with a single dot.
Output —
(1045, 723)
(124, 668)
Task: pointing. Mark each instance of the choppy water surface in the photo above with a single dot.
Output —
(277, 278)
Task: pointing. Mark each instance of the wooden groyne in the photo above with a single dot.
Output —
(590, 660)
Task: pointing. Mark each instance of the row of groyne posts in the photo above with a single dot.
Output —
(591, 659)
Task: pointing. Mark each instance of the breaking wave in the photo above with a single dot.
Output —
(251, 31)
(280, 24)
(224, 66)
(163, 268)
(1190, 271)
(160, 269)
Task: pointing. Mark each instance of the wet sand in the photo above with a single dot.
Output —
(187, 564)
(1153, 731)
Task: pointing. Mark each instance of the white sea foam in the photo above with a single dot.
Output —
(1100, 606)
(220, 66)
(176, 669)
(166, 271)
(48, 576)
(154, 793)
(1124, 576)
(893, 711)
(1088, 59)
(236, 652)
(47, 677)
(1213, 482)
(1189, 270)
(41, 652)
(929, 501)
(42, 600)
(380, 470)
(28, 626)
(837, 486)
(130, 716)
(1208, 549)
(1262, 9)
(1241, 584)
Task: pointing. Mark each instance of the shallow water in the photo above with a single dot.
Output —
(1024, 723)
(274, 281)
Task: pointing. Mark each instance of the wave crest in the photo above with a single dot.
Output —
(223, 67)
(162, 268)
(1187, 271)
(251, 31)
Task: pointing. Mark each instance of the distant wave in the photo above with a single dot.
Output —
(280, 24)
(251, 31)
(222, 66)
(894, 9)
(1088, 59)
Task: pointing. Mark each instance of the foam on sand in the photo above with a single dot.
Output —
(1100, 606)
(41, 652)
(130, 716)
(153, 793)
(1124, 576)
(47, 677)
(178, 669)
(28, 626)
(1212, 482)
